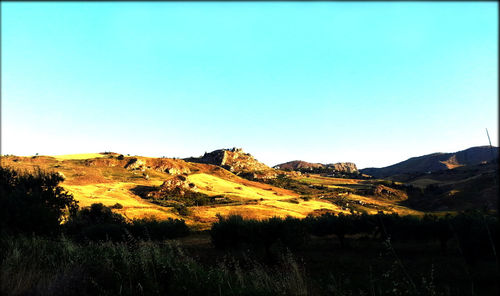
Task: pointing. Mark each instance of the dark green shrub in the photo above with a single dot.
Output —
(229, 232)
(97, 213)
(96, 222)
(182, 209)
(158, 230)
(99, 223)
(331, 224)
(234, 232)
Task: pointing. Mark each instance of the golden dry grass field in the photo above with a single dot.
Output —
(109, 179)
(79, 156)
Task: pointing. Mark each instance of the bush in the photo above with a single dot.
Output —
(117, 206)
(231, 231)
(99, 223)
(182, 209)
(33, 202)
(158, 230)
(340, 225)
(96, 222)
(97, 213)
(234, 232)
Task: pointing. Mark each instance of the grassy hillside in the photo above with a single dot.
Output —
(113, 179)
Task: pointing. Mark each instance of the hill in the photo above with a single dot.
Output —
(308, 167)
(171, 188)
(295, 165)
(436, 162)
(460, 188)
(230, 181)
(197, 189)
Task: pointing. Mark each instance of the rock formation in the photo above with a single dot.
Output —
(166, 165)
(346, 167)
(176, 186)
(303, 166)
(237, 161)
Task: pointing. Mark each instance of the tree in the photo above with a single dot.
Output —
(96, 222)
(33, 202)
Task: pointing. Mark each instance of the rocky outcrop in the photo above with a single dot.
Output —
(217, 157)
(303, 166)
(237, 161)
(346, 167)
(176, 186)
(136, 164)
(296, 165)
(103, 162)
(164, 165)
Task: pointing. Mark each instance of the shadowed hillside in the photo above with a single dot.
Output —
(465, 187)
(435, 162)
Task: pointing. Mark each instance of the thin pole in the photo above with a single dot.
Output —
(488, 137)
(484, 220)
(491, 147)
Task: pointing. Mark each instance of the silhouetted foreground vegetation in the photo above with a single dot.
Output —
(270, 257)
(33, 202)
(99, 223)
(476, 233)
(37, 266)
(98, 252)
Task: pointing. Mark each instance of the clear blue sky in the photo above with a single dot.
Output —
(370, 83)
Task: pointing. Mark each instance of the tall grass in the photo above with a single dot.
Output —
(41, 266)
(37, 266)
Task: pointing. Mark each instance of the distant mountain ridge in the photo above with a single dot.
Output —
(436, 162)
(299, 165)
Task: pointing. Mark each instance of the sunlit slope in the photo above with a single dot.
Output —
(78, 156)
(266, 209)
(366, 194)
(258, 201)
(107, 183)
(110, 194)
(111, 181)
(214, 185)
